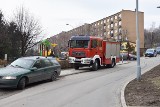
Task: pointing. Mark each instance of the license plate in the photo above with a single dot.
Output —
(77, 59)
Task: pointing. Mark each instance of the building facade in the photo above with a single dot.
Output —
(120, 26)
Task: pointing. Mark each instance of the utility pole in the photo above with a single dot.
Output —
(138, 44)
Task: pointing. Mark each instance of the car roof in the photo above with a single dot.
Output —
(151, 49)
(36, 57)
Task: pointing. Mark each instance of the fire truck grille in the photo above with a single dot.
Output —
(78, 54)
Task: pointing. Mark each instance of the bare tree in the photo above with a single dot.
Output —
(29, 28)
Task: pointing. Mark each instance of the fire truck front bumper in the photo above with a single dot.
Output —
(80, 61)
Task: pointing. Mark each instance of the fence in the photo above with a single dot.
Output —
(3, 62)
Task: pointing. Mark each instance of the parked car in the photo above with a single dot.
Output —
(28, 70)
(132, 57)
(63, 55)
(125, 56)
(150, 53)
(158, 50)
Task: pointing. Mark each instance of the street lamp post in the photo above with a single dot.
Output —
(138, 44)
(70, 25)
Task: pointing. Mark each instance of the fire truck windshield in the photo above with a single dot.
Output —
(79, 43)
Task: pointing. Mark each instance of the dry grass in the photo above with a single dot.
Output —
(156, 82)
(145, 92)
(64, 64)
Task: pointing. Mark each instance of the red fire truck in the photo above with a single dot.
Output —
(93, 51)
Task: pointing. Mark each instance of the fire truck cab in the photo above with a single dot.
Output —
(93, 51)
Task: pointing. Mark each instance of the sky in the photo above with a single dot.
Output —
(53, 15)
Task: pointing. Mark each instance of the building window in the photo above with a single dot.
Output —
(115, 24)
(116, 38)
(111, 18)
(104, 27)
(112, 35)
(107, 20)
(104, 21)
(115, 17)
(120, 23)
(120, 30)
(108, 26)
(101, 22)
(111, 25)
(111, 31)
(115, 31)
(120, 15)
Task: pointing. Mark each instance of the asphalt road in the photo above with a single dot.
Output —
(88, 89)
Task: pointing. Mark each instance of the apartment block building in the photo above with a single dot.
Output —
(120, 26)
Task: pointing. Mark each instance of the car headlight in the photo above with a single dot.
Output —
(9, 77)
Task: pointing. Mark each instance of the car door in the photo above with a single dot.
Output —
(56, 66)
(48, 69)
(37, 74)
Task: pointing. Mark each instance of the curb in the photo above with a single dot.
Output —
(125, 62)
(71, 73)
(132, 77)
(123, 101)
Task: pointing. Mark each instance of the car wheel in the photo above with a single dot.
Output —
(95, 66)
(54, 76)
(22, 83)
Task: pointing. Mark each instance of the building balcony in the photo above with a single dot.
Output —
(119, 19)
(111, 28)
(119, 26)
(111, 22)
(112, 35)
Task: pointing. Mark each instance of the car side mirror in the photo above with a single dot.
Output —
(33, 69)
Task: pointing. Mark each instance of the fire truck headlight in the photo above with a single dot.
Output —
(87, 60)
(71, 59)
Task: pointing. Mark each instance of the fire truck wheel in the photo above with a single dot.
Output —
(95, 66)
(113, 64)
(76, 67)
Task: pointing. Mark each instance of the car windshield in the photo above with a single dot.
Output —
(149, 50)
(79, 43)
(22, 63)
